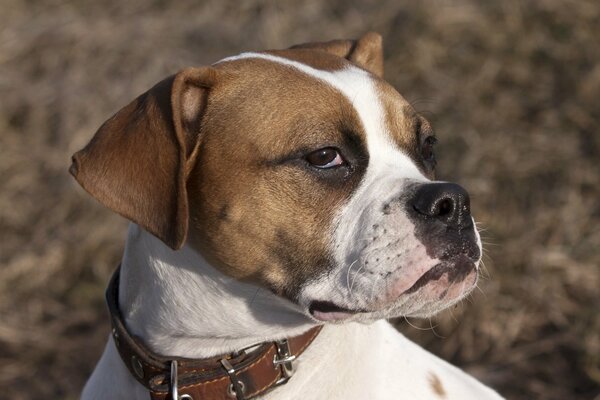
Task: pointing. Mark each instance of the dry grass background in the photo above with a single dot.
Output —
(511, 88)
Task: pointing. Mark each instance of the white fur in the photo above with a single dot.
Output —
(179, 305)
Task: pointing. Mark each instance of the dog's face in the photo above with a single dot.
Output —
(304, 171)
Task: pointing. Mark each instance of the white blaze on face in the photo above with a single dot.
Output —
(377, 254)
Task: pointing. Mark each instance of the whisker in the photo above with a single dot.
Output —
(414, 326)
(373, 286)
(433, 329)
(356, 274)
(348, 275)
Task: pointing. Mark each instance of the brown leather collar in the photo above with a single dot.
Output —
(241, 375)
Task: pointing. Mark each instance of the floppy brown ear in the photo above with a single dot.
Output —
(138, 161)
(366, 52)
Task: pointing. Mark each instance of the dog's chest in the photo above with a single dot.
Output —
(356, 361)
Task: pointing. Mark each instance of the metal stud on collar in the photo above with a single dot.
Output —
(174, 389)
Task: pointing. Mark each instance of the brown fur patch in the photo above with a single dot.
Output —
(137, 162)
(404, 124)
(313, 58)
(258, 210)
(436, 385)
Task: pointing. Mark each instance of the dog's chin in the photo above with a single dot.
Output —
(435, 297)
(439, 288)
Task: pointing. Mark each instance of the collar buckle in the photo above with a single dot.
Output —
(284, 360)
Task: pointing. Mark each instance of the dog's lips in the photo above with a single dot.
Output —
(328, 311)
(456, 271)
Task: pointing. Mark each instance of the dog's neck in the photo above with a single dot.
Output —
(179, 305)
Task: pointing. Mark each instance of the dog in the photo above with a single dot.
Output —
(283, 205)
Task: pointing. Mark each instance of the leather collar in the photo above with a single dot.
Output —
(240, 375)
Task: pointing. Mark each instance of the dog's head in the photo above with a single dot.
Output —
(301, 170)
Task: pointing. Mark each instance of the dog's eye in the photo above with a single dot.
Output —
(427, 149)
(327, 157)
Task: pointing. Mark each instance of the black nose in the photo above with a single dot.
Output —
(446, 202)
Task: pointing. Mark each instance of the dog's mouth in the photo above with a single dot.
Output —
(442, 278)
(328, 311)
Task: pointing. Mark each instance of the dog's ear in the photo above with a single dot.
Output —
(366, 52)
(138, 162)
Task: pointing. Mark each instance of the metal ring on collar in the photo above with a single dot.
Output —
(174, 389)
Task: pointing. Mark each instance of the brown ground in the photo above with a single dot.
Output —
(511, 88)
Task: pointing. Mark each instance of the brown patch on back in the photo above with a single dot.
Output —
(436, 385)
(256, 209)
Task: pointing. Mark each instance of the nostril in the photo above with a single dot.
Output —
(445, 207)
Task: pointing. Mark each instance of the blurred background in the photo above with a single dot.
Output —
(511, 88)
